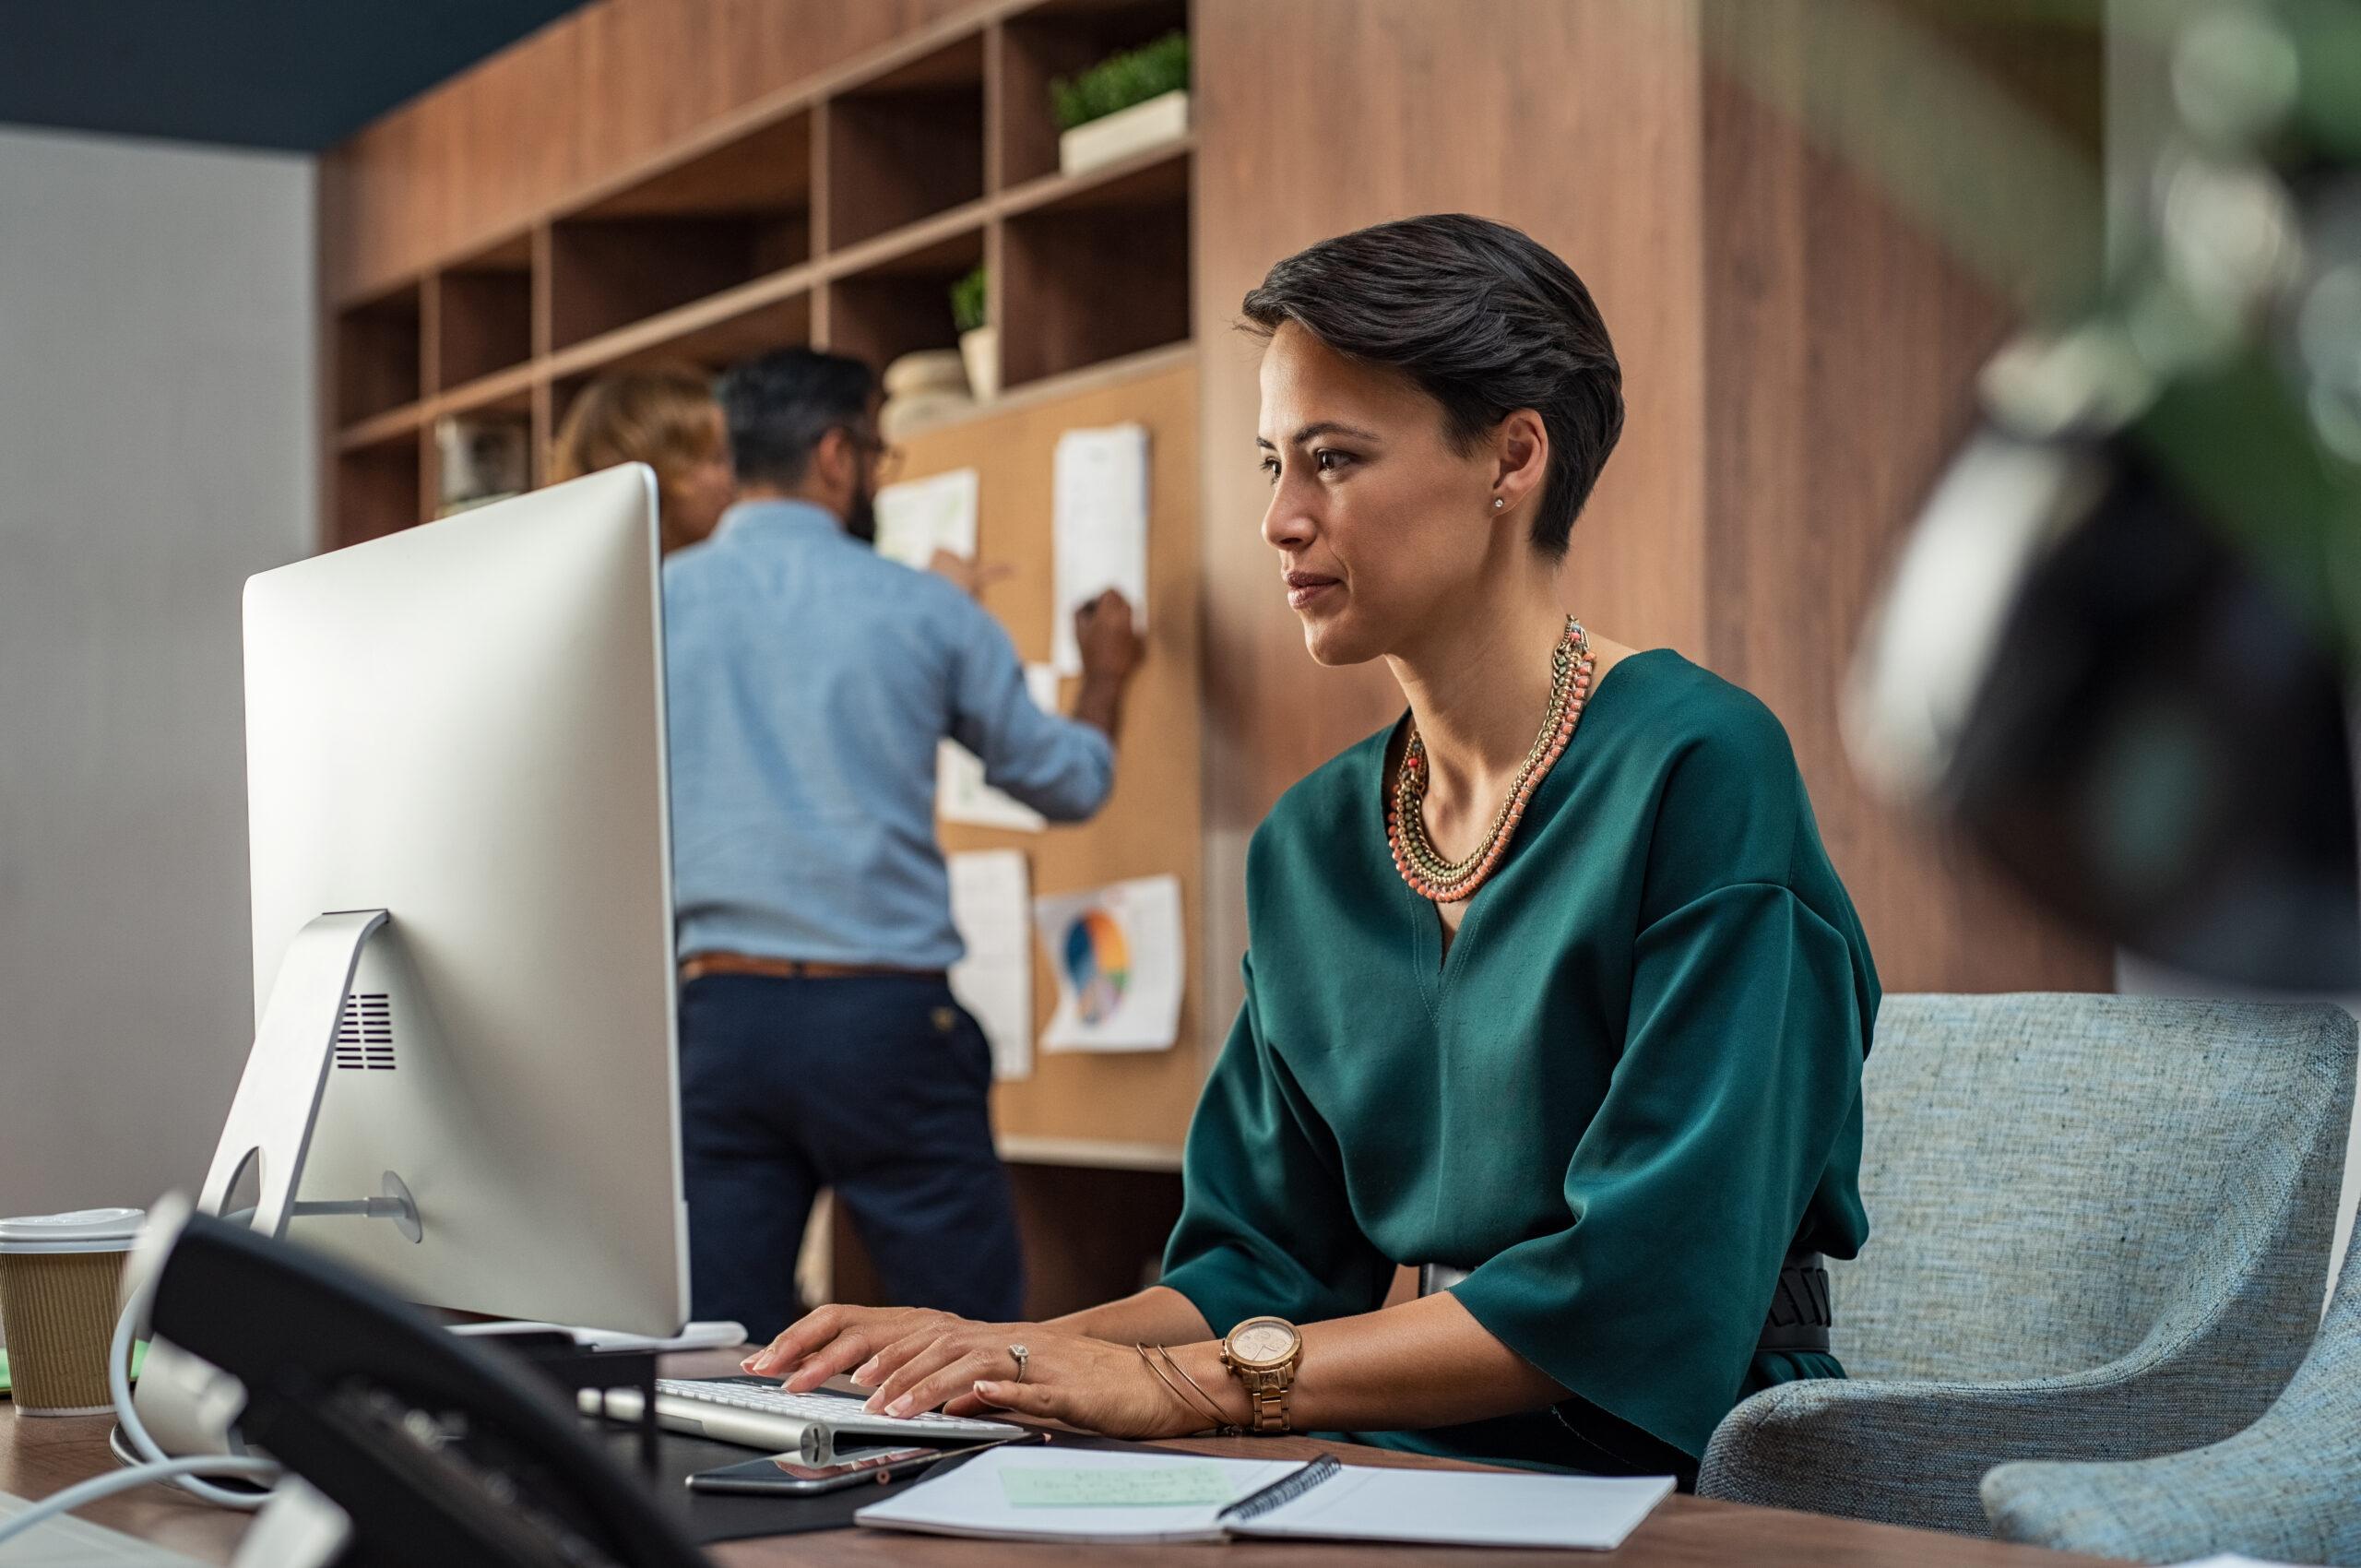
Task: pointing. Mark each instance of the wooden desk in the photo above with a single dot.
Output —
(38, 1456)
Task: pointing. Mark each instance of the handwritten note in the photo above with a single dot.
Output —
(992, 899)
(1098, 529)
(921, 516)
(1181, 1485)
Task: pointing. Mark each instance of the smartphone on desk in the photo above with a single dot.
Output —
(790, 1475)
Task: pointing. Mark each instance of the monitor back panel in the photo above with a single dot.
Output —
(463, 724)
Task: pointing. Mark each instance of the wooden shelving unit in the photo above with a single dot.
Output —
(836, 214)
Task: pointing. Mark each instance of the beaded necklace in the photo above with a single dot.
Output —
(1422, 865)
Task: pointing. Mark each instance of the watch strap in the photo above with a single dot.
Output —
(1267, 1395)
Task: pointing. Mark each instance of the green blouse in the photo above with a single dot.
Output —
(1633, 1080)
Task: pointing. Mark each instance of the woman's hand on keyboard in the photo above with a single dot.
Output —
(838, 1339)
(966, 1369)
(920, 1359)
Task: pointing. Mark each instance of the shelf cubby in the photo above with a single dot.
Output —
(717, 221)
(562, 392)
(378, 355)
(505, 402)
(901, 301)
(906, 145)
(1064, 37)
(1095, 267)
(711, 333)
(377, 489)
(484, 313)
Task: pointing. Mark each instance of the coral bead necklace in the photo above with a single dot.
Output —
(1422, 865)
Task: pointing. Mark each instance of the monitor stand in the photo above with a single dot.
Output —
(188, 1405)
(279, 1094)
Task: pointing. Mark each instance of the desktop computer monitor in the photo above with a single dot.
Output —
(462, 726)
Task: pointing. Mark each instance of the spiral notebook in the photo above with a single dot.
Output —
(1043, 1494)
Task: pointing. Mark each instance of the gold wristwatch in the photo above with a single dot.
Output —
(1262, 1354)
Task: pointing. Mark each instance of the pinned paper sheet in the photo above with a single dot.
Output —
(960, 792)
(922, 515)
(1117, 953)
(1099, 513)
(991, 899)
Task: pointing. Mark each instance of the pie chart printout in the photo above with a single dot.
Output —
(1099, 965)
(1117, 955)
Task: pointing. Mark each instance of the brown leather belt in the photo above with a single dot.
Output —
(696, 966)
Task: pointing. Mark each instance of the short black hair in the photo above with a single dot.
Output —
(1482, 318)
(779, 408)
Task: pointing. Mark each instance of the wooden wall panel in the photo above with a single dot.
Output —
(1577, 123)
(1840, 344)
(599, 91)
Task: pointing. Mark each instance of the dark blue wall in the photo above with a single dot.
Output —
(297, 75)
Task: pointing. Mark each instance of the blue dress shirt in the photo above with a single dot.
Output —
(807, 682)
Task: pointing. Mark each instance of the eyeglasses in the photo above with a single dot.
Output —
(885, 458)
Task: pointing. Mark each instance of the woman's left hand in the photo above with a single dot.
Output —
(966, 1369)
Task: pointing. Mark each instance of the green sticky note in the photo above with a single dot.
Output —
(1128, 1486)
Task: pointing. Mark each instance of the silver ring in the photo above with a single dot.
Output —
(1021, 1355)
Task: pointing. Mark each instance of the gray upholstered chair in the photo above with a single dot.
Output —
(2287, 1489)
(2099, 1228)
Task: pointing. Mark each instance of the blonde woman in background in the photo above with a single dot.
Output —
(668, 419)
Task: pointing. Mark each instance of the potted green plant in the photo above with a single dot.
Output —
(1124, 105)
(979, 338)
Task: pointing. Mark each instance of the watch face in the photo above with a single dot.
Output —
(1264, 1341)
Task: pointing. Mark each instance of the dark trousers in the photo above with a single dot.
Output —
(875, 1087)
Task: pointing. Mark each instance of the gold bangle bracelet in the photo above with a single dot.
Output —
(1169, 1386)
(1228, 1426)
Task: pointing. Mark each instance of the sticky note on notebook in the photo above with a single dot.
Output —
(1181, 1485)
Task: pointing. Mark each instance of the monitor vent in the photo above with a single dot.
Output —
(365, 1034)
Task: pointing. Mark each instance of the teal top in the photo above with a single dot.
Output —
(1633, 1081)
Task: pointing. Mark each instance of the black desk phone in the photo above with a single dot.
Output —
(437, 1450)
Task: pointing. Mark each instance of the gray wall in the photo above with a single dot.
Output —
(156, 447)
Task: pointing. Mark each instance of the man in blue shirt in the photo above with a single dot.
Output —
(808, 681)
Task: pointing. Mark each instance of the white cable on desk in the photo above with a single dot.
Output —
(177, 1471)
(159, 1466)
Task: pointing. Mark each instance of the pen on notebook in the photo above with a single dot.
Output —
(1284, 1490)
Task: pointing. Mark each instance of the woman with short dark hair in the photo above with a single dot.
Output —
(1551, 989)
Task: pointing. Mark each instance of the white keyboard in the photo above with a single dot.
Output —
(758, 1413)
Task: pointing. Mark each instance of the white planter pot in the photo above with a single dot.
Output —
(1123, 133)
(980, 350)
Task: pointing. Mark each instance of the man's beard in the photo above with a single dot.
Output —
(861, 518)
